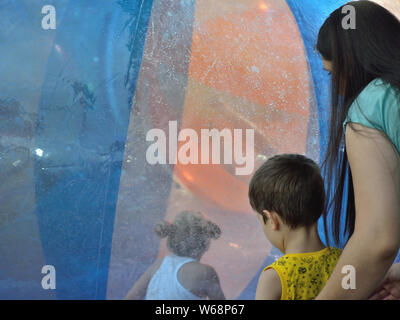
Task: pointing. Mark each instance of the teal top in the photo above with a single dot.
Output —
(378, 107)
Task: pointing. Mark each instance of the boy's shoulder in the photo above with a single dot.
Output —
(303, 274)
(269, 286)
(335, 251)
(289, 260)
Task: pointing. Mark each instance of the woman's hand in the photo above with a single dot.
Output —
(390, 287)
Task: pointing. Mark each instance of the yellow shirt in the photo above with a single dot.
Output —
(303, 275)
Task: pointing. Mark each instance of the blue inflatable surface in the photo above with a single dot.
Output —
(76, 191)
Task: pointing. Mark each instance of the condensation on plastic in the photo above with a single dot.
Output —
(76, 103)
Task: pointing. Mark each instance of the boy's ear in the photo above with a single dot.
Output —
(264, 218)
(273, 217)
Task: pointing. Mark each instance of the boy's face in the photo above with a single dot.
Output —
(273, 228)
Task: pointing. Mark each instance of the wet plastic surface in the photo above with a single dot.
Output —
(76, 104)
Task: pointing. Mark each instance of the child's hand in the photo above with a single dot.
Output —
(390, 287)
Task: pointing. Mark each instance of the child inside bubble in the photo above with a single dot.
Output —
(180, 275)
(288, 193)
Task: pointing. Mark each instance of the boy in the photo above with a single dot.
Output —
(288, 193)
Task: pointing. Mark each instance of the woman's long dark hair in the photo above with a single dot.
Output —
(358, 56)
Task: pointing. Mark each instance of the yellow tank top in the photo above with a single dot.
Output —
(303, 275)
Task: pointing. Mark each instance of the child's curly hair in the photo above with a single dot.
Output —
(189, 234)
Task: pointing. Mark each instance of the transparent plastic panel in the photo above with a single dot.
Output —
(82, 103)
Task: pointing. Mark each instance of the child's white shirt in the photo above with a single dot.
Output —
(164, 284)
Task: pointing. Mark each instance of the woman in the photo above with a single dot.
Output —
(363, 163)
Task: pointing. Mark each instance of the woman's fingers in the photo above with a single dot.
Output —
(390, 297)
(380, 295)
(390, 286)
(394, 289)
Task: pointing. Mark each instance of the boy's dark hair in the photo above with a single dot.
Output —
(290, 185)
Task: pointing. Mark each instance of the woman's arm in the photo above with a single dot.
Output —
(138, 291)
(375, 169)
